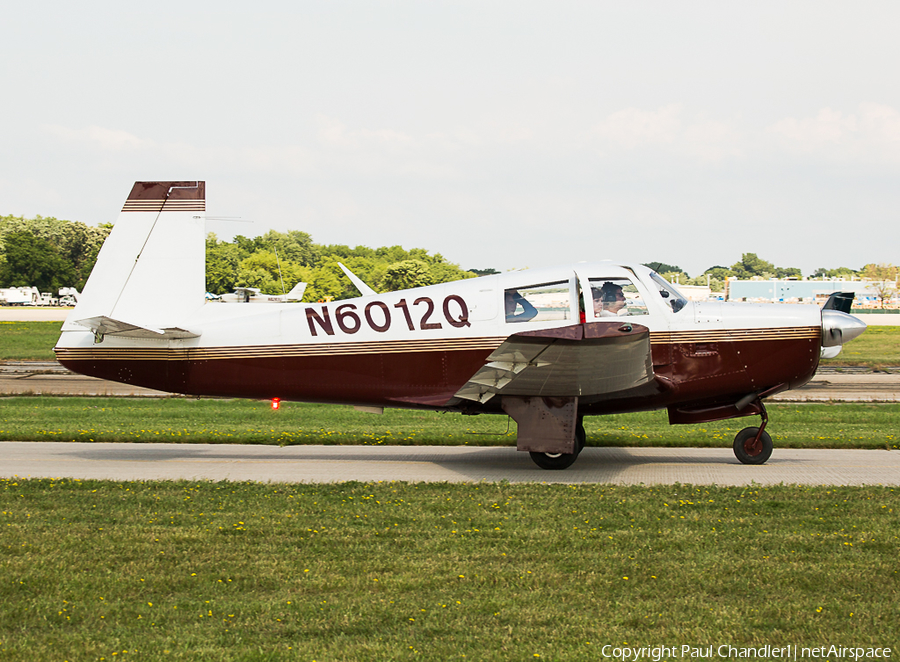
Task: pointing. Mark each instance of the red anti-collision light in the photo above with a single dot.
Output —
(276, 403)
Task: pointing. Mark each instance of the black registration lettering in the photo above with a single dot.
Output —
(345, 313)
(424, 324)
(463, 319)
(405, 308)
(324, 322)
(348, 318)
(380, 328)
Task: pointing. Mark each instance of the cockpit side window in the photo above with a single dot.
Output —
(616, 297)
(537, 303)
(669, 293)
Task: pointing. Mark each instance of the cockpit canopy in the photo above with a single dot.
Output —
(592, 292)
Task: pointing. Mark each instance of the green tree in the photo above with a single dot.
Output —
(328, 283)
(344, 252)
(222, 262)
(840, 272)
(406, 274)
(294, 246)
(33, 261)
(74, 241)
(751, 265)
(266, 271)
(884, 277)
(391, 254)
(442, 271)
(719, 273)
(787, 272)
(248, 246)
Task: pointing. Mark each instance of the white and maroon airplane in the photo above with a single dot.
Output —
(545, 346)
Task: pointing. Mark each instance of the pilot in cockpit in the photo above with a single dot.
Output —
(609, 300)
(512, 301)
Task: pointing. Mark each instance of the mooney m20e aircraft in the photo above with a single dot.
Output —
(547, 346)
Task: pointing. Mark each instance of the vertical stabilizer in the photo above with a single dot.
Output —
(152, 268)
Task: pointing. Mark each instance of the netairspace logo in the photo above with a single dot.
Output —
(730, 652)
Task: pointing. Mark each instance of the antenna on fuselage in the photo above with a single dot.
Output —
(364, 289)
(280, 277)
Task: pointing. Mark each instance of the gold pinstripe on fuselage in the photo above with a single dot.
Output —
(735, 335)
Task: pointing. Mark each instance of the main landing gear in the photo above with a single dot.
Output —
(562, 460)
(753, 445)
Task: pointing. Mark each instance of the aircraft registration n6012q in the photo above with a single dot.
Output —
(545, 346)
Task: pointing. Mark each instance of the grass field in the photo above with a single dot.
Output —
(391, 571)
(93, 570)
(28, 340)
(878, 346)
(46, 418)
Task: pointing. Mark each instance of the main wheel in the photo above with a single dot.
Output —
(749, 451)
(580, 435)
(554, 460)
(563, 460)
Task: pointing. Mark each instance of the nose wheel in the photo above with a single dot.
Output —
(753, 445)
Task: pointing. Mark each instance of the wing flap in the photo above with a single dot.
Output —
(599, 358)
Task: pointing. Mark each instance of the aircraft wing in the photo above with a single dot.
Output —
(107, 326)
(580, 360)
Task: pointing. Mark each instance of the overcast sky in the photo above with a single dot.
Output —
(501, 134)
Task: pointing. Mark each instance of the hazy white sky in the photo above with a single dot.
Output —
(501, 134)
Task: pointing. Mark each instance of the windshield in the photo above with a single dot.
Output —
(668, 292)
(616, 297)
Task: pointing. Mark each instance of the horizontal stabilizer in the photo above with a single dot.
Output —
(106, 326)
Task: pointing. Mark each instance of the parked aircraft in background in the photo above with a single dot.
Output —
(545, 346)
(255, 295)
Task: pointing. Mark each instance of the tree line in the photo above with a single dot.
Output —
(276, 261)
(50, 253)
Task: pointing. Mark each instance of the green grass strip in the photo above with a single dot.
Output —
(97, 570)
(45, 418)
(878, 346)
(28, 340)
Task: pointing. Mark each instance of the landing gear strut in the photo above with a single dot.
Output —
(562, 460)
(754, 445)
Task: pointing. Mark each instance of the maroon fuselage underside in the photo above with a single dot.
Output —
(419, 379)
(686, 374)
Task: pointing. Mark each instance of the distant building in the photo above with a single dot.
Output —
(804, 291)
